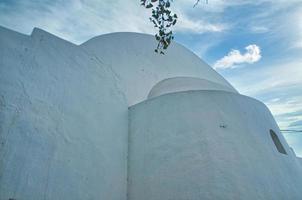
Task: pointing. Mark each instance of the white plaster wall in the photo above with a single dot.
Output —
(132, 57)
(208, 145)
(300, 161)
(64, 125)
(63, 122)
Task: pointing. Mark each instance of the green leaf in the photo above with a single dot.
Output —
(149, 5)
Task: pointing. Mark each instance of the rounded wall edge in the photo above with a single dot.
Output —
(204, 92)
(181, 84)
(208, 145)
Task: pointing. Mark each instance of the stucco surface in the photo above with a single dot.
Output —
(63, 122)
(132, 57)
(208, 145)
(66, 131)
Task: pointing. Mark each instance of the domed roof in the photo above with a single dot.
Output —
(138, 68)
(179, 84)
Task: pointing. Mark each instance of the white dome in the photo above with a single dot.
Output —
(139, 68)
(179, 84)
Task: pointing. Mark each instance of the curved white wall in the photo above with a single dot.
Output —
(208, 145)
(63, 122)
(64, 125)
(179, 84)
(139, 68)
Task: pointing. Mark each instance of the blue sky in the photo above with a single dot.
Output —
(254, 44)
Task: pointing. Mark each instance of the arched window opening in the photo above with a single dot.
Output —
(277, 142)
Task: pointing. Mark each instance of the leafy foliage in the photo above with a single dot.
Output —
(163, 19)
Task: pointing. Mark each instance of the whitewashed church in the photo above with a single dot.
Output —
(112, 120)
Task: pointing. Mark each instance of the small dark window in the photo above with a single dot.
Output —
(277, 142)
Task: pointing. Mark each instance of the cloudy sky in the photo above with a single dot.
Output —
(255, 44)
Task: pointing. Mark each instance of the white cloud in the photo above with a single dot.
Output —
(259, 29)
(283, 107)
(268, 79)
(297, 18)
(279, 86)
(78, 20)
(185, 24)
(234, 57)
